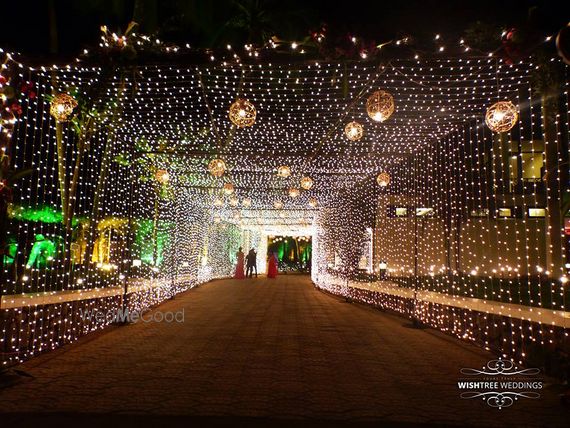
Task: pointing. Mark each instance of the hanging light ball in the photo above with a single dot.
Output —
(294, 192)
(307, 183)
(278, 204)
(62, 106)
(284, 171)
(380, 106)
(228, 188)
(7, 120)
(383, 179)
(313, 202)
(246, 202)
(217, 219)
(162, 176)
(501, 116)
(217, 167)
(354, 131)
(242, 113)
(218, 202)
(563, 43)
(234, 202)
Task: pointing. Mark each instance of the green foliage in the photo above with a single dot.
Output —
(143, 247)
(42, 252)
(41, 214)
(483, 36)
(123, 159)
(548, 77)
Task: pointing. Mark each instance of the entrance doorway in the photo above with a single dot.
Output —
(293, 252)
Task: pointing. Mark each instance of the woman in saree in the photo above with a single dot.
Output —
(239, 274)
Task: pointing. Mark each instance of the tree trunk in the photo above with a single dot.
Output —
(96, 199)
(53, 37)
(554, 219)
(105, 162)
(61, 170)
(70, 208)
(155, 226)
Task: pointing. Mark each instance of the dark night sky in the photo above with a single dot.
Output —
(26, 23)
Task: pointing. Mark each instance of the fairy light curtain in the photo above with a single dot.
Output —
(147, 207)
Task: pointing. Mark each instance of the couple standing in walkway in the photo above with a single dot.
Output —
(250, 262)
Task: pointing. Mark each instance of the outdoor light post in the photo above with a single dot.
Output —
(382, 266)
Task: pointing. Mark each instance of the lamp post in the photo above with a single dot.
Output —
(382, 266)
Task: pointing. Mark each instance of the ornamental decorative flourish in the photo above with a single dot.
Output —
(500, 367)
(500, 399)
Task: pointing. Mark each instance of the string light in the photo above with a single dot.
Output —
(228, 188)
(284, 171)
(217, 167)
(380, 106)
(162, 176)
(307, 183)
(501, 116)
(449, 177)
(354, 131)
(62, 107)
(383, 179)
(293, 192)
(242, 113)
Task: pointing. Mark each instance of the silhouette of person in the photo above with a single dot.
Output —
(251, 263)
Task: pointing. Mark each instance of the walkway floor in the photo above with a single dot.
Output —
(258, 350)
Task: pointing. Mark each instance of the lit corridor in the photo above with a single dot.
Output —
(260, 349)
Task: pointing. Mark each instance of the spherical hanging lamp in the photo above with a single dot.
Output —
(234, 202)
(278, 204)
(283, 171)
(162, 176)
(294, 192)
(307, 183)
(501, 116)
(313, 202)
(563, 44)
(246, 202)
(242, 113)
(217, 219)
(380, 106)
(383, 179)
(62, 106)
(228, 188)
(354, 131)
(218, 202)
(7, 119)
(217, 167)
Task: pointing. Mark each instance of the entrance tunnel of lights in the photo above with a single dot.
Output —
(400, 183)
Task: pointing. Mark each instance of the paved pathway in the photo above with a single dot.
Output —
(258, 350)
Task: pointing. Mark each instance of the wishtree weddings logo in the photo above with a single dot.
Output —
(121, 315)
(500, 383)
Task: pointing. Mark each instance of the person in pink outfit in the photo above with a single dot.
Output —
(272, 266)
(240, 263)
